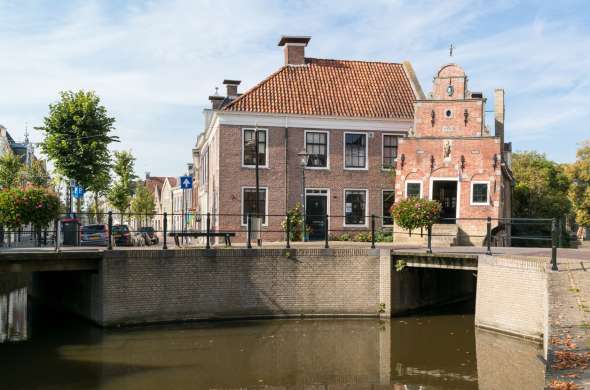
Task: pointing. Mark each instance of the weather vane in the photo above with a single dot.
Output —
(451, 48)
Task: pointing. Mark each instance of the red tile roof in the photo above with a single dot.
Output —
(333, 88)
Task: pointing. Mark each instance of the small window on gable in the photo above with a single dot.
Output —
(448, 113)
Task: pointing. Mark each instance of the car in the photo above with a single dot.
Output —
(150, 235)
(94, 235)
(122, 236)
(138, 239)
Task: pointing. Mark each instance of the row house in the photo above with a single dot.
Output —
(330, 134)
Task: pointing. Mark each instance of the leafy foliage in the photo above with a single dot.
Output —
(36, 206)
(295, 221)
(579, 193)
(119, 195)
(10, 170)
(36, 174)
(143, 202)
(413, 213)
(77, 136)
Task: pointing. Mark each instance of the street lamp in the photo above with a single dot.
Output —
(304, 158)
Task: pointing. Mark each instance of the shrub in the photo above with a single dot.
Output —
(295, 221)
(36, 206)
(414, 213)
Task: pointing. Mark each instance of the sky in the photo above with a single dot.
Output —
(154, 63)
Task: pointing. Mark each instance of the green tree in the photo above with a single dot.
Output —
(99, 189)
(579, 193)
(10, 171)
(77, 135)
(119, 195)
(143, 203)
(36, 174)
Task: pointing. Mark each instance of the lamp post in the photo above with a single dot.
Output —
(304, 158)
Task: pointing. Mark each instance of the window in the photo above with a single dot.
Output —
(355, 150)
(389, 150)
(413, 189)
(249, 203)
(249, 147)
(204, 167)
(388, 200)
(316, 146)
(479, 193)
(355, 207)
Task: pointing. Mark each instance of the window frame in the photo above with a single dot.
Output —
(305, 132)
(413, 182)
(266, 155)
(366, 217)
(262, 188)
(487, 202)
(366, 167)
(383, 167)
(383, 191)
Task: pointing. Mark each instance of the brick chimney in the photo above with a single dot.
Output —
(294, 49)
(499, 114)
(232, 88)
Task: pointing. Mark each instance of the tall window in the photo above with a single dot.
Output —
(355, 203)
(389, 150)
(413, 190)
(388, 200)
(355, 150)
(479, 193)
(204, 167)
(316, 146)
(249, 147)
(249, 203)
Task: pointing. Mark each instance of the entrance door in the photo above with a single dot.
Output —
(445, 191)
(315, 210)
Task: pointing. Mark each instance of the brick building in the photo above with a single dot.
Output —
(347, 116)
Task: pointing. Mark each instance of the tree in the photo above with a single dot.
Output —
(77, 136)
(579, 193)
(413, 213)
(143, 202)
(99, 189)
(10, 171)
(119, 195)
(36, 174)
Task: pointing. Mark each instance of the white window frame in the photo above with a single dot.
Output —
(367, 213)
(326, 194)
(242, 203)
(366, 167)
(414, 182)
(487, 202)
(382, 198)
(383, 148)
(266, 155)
(327, 167)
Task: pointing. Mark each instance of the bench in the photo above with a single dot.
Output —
(226, 236)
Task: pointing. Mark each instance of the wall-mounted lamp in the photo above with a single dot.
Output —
(431, 162)
(494, 161)
(432, 115)
(465, 115)
(462, 161)
(403, 159)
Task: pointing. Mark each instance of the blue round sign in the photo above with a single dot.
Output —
(78, 192)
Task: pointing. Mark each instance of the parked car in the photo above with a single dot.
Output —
(94, 235)
(137, 239)
(150, 235)
(122, 236)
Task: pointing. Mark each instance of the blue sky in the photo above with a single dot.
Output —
(155, 63)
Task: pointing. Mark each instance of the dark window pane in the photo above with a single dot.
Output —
(413, 190)
(355, 151)
(388, 200)
(389, 151)
(480, 193)
(354, 207)
(249, 204)
(316, 147)
(250, 147)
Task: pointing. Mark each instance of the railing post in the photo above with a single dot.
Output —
(249, 234)
(553, 245)
(56, 233)
(327, 231)
(288, 229)
(560, 232)
(372, 231)
(45, 237)
(429, 230)
(489, 235)
(165, 228)
(208, 243)
(110, 222)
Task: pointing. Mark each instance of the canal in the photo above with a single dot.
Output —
(438, 350)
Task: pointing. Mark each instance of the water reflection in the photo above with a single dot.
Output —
(440, 351)
(13, 315)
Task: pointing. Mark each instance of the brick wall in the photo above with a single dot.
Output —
(152, 286)
(512, 295)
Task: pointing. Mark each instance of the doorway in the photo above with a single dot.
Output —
(316, 207)
(445, 191)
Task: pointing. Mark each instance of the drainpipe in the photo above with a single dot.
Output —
(286, 166)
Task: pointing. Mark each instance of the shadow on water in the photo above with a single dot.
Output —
(435, 350)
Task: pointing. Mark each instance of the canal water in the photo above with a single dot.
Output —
(43, 349)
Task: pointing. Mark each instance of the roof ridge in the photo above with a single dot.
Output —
(255, 87)
(362, 61)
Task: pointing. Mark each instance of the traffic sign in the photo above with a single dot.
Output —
(78, 192)
(186, 182)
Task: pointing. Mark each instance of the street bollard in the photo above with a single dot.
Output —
(553, 245)
(372, 231)
(489, 235)
(429, 249)
(165, 228)
(110, 222)
(288, 229)
(56, 233)
(249, 234)
(208, 243)
(327, 231)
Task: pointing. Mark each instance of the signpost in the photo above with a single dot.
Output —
(79, 192)
(186, 183)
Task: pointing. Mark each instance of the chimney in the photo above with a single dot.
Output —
(294, 49)
(232, 88)
(216, 100)
(499, 114)
(147, 175)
